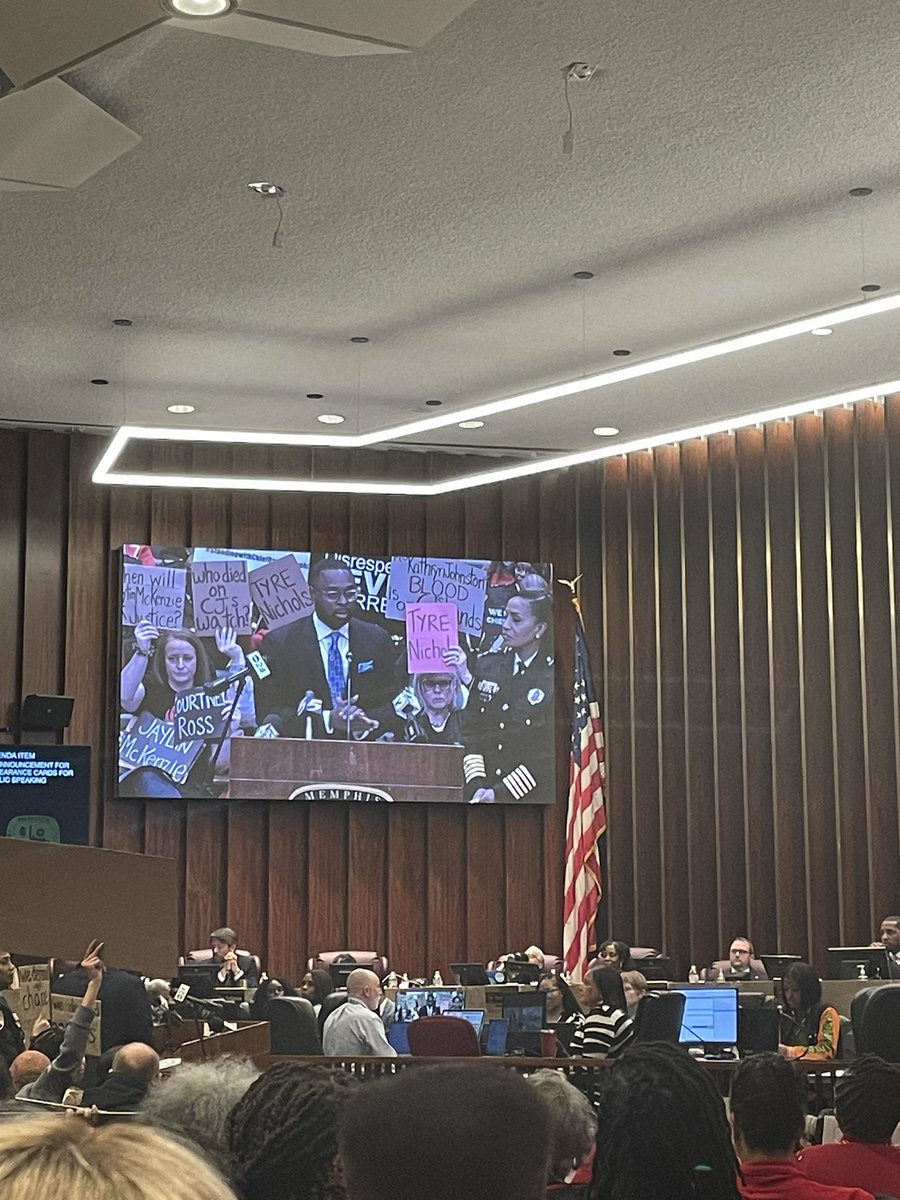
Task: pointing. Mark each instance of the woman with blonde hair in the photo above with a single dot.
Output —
(65, 1158)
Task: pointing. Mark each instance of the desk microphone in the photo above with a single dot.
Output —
(810, 1038)
(256, 666)
(270, 727)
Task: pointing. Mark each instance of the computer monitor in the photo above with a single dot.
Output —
(201, 978)
(497, 1034)
(757, 1029)
(777, 964)
(521, 972)
(340, 972)
(526, 1013)
(657, 968)
(398, 1036)
(412, 1003)
(710, 1017)
(845, 962)
(475, 1017)
(470, 974)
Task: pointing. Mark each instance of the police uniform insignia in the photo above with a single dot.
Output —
(535, 696)
(488, 689)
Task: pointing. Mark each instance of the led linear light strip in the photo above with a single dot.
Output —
(362, 487)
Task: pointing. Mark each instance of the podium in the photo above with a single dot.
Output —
(338, 769)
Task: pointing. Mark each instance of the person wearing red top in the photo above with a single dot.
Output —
(767, 1118)
(867, 1106)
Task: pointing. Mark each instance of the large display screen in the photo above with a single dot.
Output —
(45, 793)
(276, 674)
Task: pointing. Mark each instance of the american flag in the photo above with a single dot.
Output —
(586, 822)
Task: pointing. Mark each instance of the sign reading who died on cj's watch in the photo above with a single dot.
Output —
(221, 593)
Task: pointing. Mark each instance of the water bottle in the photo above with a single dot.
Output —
(437, 981)
(720, 978)
(693, 977)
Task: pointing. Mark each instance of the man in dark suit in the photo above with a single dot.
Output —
(236, 969)
(124, 1005)
(336, 669)
(889, 937)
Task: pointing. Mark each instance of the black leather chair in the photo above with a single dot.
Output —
(329, 1004)
(876, 1021)
(658, 1017)
(293, 1026)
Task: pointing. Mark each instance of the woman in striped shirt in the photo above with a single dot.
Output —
(607, 1028)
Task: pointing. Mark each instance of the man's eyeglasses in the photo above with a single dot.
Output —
(349, 593)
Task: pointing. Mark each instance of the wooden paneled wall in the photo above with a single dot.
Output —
(740, 600)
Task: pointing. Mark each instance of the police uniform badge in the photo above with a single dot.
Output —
(535, 696)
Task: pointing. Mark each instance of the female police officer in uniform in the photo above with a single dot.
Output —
(509, 731)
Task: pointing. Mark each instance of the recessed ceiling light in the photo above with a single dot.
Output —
(621, 353)
(264, 187)
(471, 424)
(605, 431)
(198, 8)
(583, 275)
(822, 331)
(100, 382)
(330, 419)
(122, 322)
(871, 287)
(860, 191)
(434, 403)
(359, 340)
(180, 410)
(315, 396)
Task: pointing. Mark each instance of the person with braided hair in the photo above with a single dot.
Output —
(867, 1106)
(661, 1130)
(282, 1135)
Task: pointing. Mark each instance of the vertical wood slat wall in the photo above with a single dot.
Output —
(740, 597)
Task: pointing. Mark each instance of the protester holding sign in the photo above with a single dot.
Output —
(512, 711)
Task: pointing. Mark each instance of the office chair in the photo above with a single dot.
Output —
(658, 1017)
(293, 1026)
(443, 1037)
(332, 1001)
(205, 955)
(370, 959)
(877, 1031)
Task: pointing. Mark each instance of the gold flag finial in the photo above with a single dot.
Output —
(571, 584)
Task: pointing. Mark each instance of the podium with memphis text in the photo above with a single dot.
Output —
(337, 769)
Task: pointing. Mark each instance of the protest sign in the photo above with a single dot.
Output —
(31, 998)
(154, 594)
(280, 592)
(64, 1008)
(448, 580)
(221, 594)
(430, 629)
(371, 576)
(149, 742)
(198, 715)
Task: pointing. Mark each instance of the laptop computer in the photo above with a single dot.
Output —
(475, 1017)
(496, 1036)
(470, 974)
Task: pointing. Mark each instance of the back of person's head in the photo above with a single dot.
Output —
(195, 1101)
(446, 1132)
(67, 1159)
(867, 1100)
(608, 982)
(138, 1061)
(26, 1067)
(573, 1122)
(662, 1130)
(806, 981)
(767, 1106)
(282, 1134)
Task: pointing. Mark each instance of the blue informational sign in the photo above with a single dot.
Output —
(45, 793)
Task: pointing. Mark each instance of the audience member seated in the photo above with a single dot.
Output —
(634, 985)
(662, 1130)
(315, 986)
(26, 1067)
(57, 1159)
(867, 1107)
(808, 1028)
(124, 1004)
(889, 938)
(607, 1029)
(613, 954)
(282, 1134)
(67, 1068)
(134, 1067)
(741, 963)
(237, 969)
(562, 1007)
(12, 1041)
(356, 1028)
(445, 1133)
(768, 1118)
(195, 1102)
(573, 1127)
(269, 990)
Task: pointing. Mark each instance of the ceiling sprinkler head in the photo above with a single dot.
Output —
(579, 72)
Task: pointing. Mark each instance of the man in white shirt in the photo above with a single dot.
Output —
(355, 1028)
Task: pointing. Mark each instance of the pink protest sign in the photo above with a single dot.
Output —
(430, 629)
